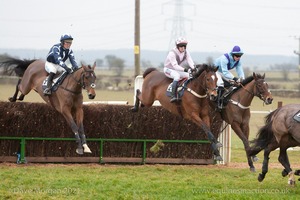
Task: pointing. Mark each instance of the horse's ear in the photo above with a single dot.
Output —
(263, 76)
(94, 65)
(254, 76)
(216, 68)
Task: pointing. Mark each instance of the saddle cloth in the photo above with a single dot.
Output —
(180, 89)
(58, 79)
(297, 116)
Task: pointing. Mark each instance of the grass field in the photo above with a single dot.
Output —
(140, 182)
(92, 181)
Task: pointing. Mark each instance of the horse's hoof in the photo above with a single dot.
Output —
(254, 158)
(79, 151)
(297, 172)
(260, 177)
(219, 158)
(11, 99)
(292, 182)
(252, 169)
(86, 149)
(219, 145)
(284, 173)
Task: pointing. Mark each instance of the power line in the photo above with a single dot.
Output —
(178, 20)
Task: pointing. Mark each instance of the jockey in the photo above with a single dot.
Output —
(56, 58)
(178, 65)
(227, 62)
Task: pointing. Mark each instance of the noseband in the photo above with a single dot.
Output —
(82, 76)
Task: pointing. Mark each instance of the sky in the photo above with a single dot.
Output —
(259, 27)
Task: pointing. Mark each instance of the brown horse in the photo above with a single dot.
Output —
(67, 99)
(281, 130)
(194, 104)
(237, 111)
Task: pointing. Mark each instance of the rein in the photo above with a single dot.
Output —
(250, 92)
(195, 93)
(79, 82)
(238, 103)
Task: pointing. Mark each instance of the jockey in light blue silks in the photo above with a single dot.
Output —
(178, 65)
(56, 58)
(227, 62)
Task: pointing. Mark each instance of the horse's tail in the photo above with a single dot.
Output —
(13, 66)
(148, 71)
(264, 136)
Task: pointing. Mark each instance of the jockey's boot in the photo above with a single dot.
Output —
(174, 92)
(220, 97)
(47, 90)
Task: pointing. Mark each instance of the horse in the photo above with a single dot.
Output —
(237, 111)
(67, 99)
(281, 130)
(194, 103)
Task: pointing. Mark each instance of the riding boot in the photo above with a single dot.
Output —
(220, 97)
(47, 90)
(174, 92)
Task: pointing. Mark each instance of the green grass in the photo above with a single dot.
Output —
(92, 181)
(139, 182)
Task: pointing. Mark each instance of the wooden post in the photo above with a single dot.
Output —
(279, 104)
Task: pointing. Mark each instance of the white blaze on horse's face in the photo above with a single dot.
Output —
(213, 77)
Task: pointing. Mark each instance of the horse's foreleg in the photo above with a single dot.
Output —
(68, 116)
(135, 108)
(79, 119)
(243, 135)
(14, 97)
(214, 143)
(284, 160)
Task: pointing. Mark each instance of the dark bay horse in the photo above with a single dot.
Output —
(195, 102)
(237, 111)
(281, 129)
(68, 98)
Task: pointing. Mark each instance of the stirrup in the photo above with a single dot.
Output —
(173, 99)
(47, 91)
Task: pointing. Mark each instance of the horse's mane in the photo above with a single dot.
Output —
(148, 70)
(250, 78)
(199, 68)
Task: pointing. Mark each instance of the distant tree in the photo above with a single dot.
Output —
(161, 65)
(116, 64)
(99, 62)
(285, 68)
(146, 64)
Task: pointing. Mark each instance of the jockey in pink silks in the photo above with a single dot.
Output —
(178, 65)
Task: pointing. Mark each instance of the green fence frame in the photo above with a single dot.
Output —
(101, 143)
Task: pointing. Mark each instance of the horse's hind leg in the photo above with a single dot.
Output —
(265, 166)
(135, 108)
(14, 97)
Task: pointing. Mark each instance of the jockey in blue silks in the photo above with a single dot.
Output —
(227, 62)
(178, 65)
(56, 58)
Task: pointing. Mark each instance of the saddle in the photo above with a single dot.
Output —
(180, 87)
(229, 90)
(57, 80)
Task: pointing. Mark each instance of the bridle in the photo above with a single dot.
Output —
(81, 81)
(197, 75)
(258, 93)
